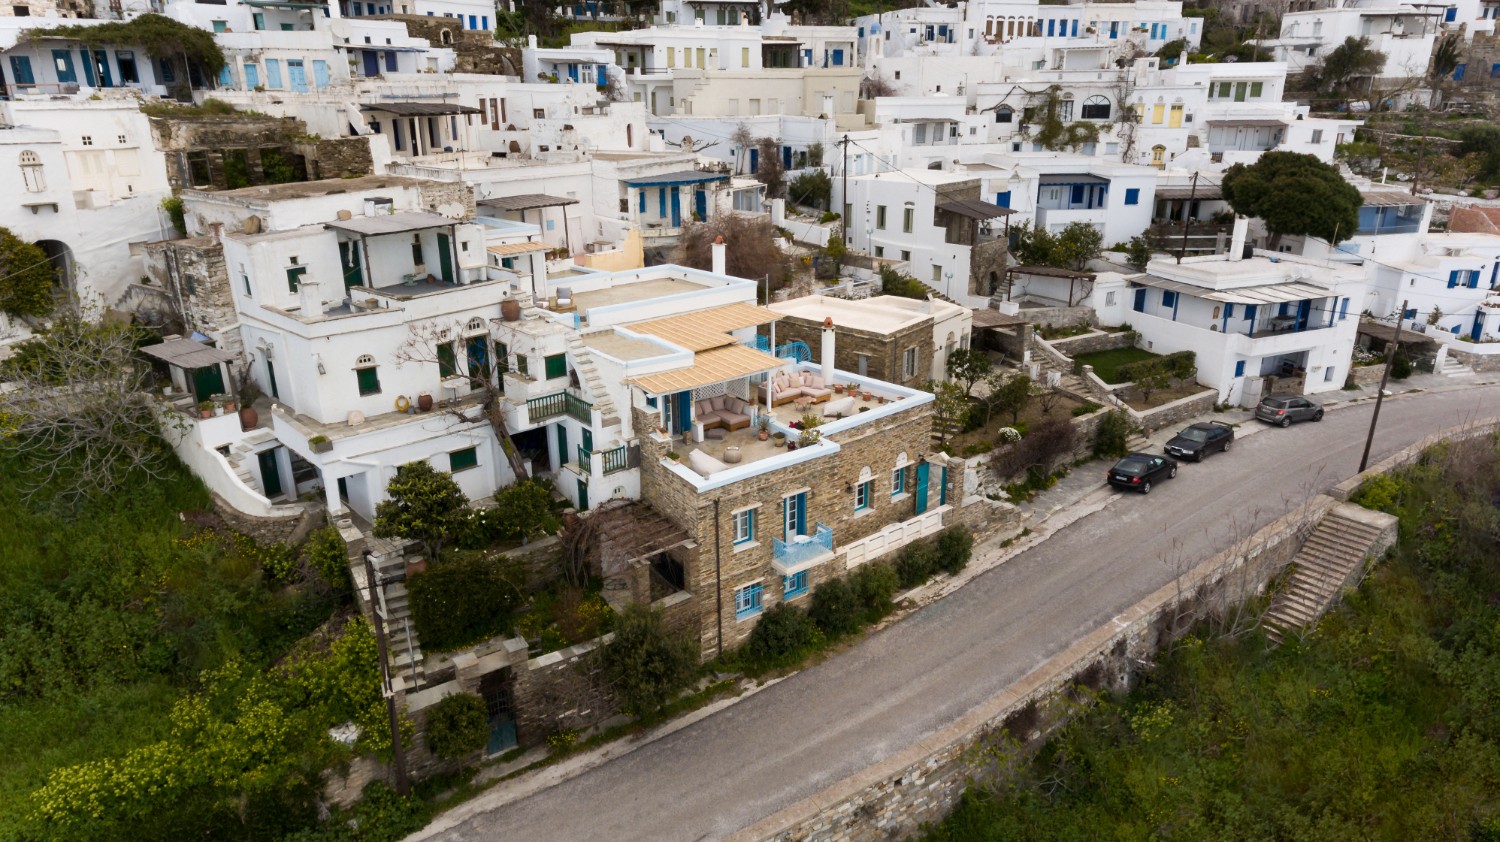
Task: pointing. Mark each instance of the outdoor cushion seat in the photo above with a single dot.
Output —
(788, 386)
(724, 411)
(703, 464)
(838, 408)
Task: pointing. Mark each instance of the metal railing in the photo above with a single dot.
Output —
(584, 455)
(546, 406)
(578, 408)
(790, 553)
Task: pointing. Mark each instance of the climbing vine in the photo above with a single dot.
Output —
(1051, 132)
(160, 37)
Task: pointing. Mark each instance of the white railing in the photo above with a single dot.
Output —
(894, 537)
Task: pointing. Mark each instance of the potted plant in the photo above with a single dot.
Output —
(673, 455)
(206, 409)
(320, 444)
(424, 401)
(763, 425)
(791, 445)
(838, 388)
(778, 439)
(808, 438)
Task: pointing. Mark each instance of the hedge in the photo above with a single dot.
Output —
(1182, 365)
(458, 725)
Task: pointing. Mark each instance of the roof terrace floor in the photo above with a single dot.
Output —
(633, 292)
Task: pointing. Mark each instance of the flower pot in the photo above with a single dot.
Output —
(764, 435)
(869, 396)
(424, 401)
(510, 310)
(416, 566)
(218, 409)
(321, 446)
(249, 418)
(778, 440)
(791, 445)
(206, 413)
(229, 406)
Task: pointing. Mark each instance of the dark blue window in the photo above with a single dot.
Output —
(1239, 368)
(1132, 196)
(1168, 298)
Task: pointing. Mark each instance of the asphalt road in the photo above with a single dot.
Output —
(809, 731)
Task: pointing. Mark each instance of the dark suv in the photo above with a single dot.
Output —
(1282, 410)
(1199, 440)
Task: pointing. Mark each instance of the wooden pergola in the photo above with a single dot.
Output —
(1081, 283)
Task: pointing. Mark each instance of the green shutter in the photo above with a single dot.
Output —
(293, 275)
(447, 361)
(369, 381)
(461, 459)
(557, 366)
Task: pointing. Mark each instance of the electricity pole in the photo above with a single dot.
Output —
(844, 191)
(1390, 358)
(1192, 195)
(397, 754)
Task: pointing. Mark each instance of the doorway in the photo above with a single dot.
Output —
(270, 473)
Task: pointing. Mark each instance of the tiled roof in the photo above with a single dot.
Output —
(715, 365)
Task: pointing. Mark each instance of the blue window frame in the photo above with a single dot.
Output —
(747, 601)
(794, 515)
(20, 69)
(1228, 311)
(744, 526)
(898, 481)
(396, 135)
(1239, 368)
(1409, 314)
(1132, 196)
(1453, 278)
(1168, 298)
(62, 60)
(794, 585)
(1003, 199)
(864, 495)
(1343, 309)
(1250, 312)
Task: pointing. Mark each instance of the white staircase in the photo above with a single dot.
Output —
(243, 452)
(403, 646)
(593, 384)
(1450, 367)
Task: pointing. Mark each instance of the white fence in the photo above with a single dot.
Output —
(894, 537)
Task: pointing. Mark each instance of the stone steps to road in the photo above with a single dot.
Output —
(1326, 561)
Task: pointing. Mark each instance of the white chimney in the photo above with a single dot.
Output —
(828, 105)
(825, 354)
(1237, 240)
(309, 297)
(721, 261)
(925, 307)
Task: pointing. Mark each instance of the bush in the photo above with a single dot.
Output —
(328, 556)
(1112, 436)
(955, 545)
(915, 564)
(522, 510)
(1182, 365)
(783, 636)
(458, 726)
(1401, 367)
(812, 189)
(873, 585)
(835, 608)
(1051, 441)
(646, 664)
(460, 602)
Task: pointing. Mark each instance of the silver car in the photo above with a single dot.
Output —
(1282, 410)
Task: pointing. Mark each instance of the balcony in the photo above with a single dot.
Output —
(576, 408)
(546, 406)
(803, 551)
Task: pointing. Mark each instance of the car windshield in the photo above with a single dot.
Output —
(1131, 467)
(1194, 434)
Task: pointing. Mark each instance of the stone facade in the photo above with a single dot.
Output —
(337, 157)
(1013, 342)
(209, 152)
(563, 690)
(1060, 316)
(473, 51)
(447, 198)
(1366, 375)
(882, 352)
(1090, 343)
(1176, 412)
(712, 577)
(1478, 362)
(194, 281)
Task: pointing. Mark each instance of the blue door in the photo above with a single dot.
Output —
(676, 208)
(372, 63)
(101, 63)
(754, 159)
(1303, 309)
(922, 470)
(273, 74)
(838, 58)
(573, 72)
(20, 70)
(1003, 199)
(793, 516)
(64, 63)
(320, 74)
(297, 75)
(680, 407)
(700, 203)
(1140, 300)
(943, 487)
(1478, 328)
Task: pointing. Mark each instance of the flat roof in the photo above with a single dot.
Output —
(847, 313)
(984, 318)
(632, 292)
(187, 353)
(391, 223)
(1202, 191)
(526, 201)
(1249, 124)
(1389, 198)
(1058, 179)
(1263, 294)
(974, 208)
(307, 189)
(624, 348)
(677, 177)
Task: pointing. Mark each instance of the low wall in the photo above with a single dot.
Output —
(1366, 375)
(1059, 316)
(562, 690)
(1400, 459)
(1476, 361)
(1182, 409)
(894, 798)
(1090, 343)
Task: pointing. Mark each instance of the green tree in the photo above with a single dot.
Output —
(1446, 57)
(1077, 244)
(812, 188)
(425, 505)
(969, 366)
(1294, 194)
(1151, 379)
(950, 409)
(893, 282)
(836, 608)
(457, 726)
(646, 664)
(1343, 66)
(1138, 253)
(1012, 397)
(463, 601)
(26, 277)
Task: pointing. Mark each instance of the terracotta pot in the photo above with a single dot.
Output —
(417, 566)
(510, 310)
(424, 402)
(248, 418)
(764, 435)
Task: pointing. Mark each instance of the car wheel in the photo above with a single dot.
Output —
(1227, 445)
(1200, 455)
(1284, 422)
(1146, 489)
(1172, 472)
(1318, 416)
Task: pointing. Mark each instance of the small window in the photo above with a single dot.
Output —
(1132, 196)
(864, 494)
(294, 276)
(908, 218)
(1239, 368)
(898, 482)
(1004, 114)
(447, 361)
(462, 460)
(747, 601)
(369, 380)
(880, 216)
(880, 251)
(906, 255)
(909, 363)
(1317, 136)
(794, 585)
(88, 140)
(557, 366)
(522, 367)
(744, 526)
(1168, 298)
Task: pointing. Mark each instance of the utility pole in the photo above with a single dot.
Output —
(1192, 196)
(1390, 358)
(403, 787)
(844, 191)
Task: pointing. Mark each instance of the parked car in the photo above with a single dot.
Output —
(1282, 410)
(1137, 472)
(1198, 440)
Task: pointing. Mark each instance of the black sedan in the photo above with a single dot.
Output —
(1138, 471)
(1199, 440)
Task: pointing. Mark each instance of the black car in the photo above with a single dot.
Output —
(1199, 440)
(1138, 471)
(1282, 410)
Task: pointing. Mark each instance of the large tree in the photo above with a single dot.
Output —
(1294, 194)
(1344, 65)
(425, 505)
(750, 248)
(26, 276)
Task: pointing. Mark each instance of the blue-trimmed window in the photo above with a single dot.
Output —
(744, 526)
(1239, 368)
(651, 401)
(898, 481)
(1132, 195)
(1168, 298)
(1250, 312)
(794, 585)
(1343, 309)
(864, 495)
(747, 601)
(1228, 311)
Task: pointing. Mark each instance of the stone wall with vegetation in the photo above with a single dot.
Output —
(1366, 375)
(1478, 362)
(1090, 343)
(1178, 411)
(561, 691)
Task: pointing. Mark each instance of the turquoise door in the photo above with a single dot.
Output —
(921, 487)
(297, 75)
(676, 209)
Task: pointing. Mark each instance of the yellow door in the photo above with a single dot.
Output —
(1156, 113)
(1176, 119)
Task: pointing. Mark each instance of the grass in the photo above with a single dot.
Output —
(1107, 363)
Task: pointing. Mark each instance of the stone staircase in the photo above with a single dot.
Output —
(403, 646)
(593, 384)
(1328, 561)
(1450, 367)
(243, 452)
(1049, 359)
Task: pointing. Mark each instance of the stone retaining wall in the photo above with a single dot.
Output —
(1059, 316)
(1090, 343)
(1478, 362)
(1178, 411)
(562, 690)
(1366, 375)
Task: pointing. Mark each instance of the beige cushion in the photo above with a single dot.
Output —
(838, 408)
(813, 380)
(717, 403)
(705, 465)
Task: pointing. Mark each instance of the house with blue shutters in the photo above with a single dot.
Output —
(1450, 283)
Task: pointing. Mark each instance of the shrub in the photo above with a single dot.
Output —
(1401, 367)
(458, 725)
(1112, 436)
(915, 564)
(1051, 441)
(955, 545)
(835, 608)
(1182, 365)
(1079, 411)
(783, 636)
(812, 189)
(874, 585)
(522, 510)
(1379, 492)
(646, 664)
(463, 601)
(328, 556)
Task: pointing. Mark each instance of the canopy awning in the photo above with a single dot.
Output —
(716, 365)
(187, 353)
(415, 109)
(391, 223)
(1069, 179)
(974, 208)
(676, 178)
(1264, 294)
(1249, 124)
(1202, 191)
(1389, 198)
(706, 329)
(526, 201)
(508, 249)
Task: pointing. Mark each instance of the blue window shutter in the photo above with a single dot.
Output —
(273, 75)
(1132, 196)
(1239, 368)
(1453, 279)
(802, 514)
(1458, 72)
(1250, 312)
(642, 195)
(1228, 311)
(1003, 200)
(1344, 309)
(1473, 278)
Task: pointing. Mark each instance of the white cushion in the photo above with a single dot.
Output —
(838, 408)
(704, 464)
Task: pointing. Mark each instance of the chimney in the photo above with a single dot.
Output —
(531, 42)
(925, 308)
(825, 354)
(1237, 240)
(721, 261)
(217, 229)
(309, 297)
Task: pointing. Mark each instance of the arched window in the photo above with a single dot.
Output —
(864, 490)
(475, 325)
(364, 361)
(366, 375)
(1096, 108)
(31, 172)
(445, 37)
(1004, 114)
(1159, 156)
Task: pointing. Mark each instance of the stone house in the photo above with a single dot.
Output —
(899, 340)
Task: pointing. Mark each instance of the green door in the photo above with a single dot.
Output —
(445, 258)
(562, 445)
(588, 440)
(583, 495)
(270, 475)
(349, 257)
(208, 381)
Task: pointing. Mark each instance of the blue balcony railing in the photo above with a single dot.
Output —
(787, 554)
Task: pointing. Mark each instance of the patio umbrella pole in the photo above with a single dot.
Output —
(1390, 359)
